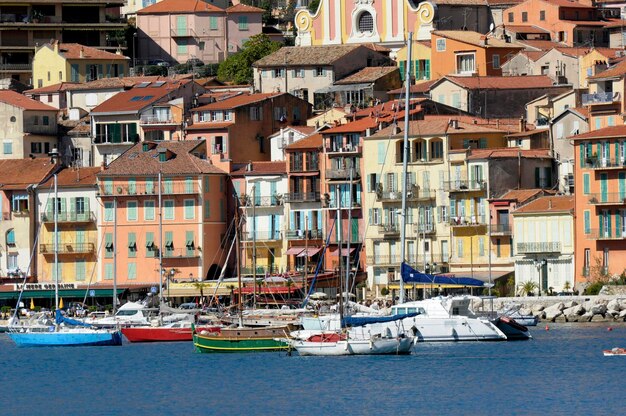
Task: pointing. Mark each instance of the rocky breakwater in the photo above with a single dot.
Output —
(582, 309)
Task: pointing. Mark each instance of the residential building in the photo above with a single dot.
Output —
(179, 30)
(132, 6)
(77, 219)
(30, 127)
(600, 183)
(420, 60)
(308, 72)
(363, 88)
(605, 100)
(463, 53)
(525, 62)
(544, 244)
(19, 225)
(57, 62)
(261, 188)
(387, 23)
(492, 96)
(53, 95)
(596, 61)
(285, 137)
(236, 128)
(192, 211)
(148, 111)
(570, 122)
(27, 24)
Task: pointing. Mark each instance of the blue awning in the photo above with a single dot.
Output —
(410, 275)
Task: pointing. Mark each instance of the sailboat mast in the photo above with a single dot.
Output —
(347, 282)
(160, 242)
(114, 255)
(339, 233)
(254, 244)
(405, 156)
(56, 244)
(238, 264)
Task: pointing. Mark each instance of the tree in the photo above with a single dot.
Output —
(529, 287)
(237, 68)
(313, 5)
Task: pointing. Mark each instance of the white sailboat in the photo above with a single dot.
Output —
(63, 332)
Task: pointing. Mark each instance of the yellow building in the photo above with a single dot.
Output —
(71, 62)
(595, 61)
(420, 65)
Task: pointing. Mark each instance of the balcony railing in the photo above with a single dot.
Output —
(390, 260)
(413, 194)
(601, 98)
(593, 162)
(302, 197)
(539, 247)
(262, 236)
(345, 149)
(343, 173)
(472, 221)
(70, 216)
(67, 248)
(424, 228)
(152, 120)
(606, 234)
(182, 33)
(462, 185)
(302, 234)
(389, 228)
(15, 67)
(181, 253)
(261, 201)
(501, 229)
(609, 198)
(175, 188)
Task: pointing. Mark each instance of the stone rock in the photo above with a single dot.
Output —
(574, 310)
(614, 305)
(525, 311)
(540, 315)
(560, 318)
(600, 318)
(573, 318)
(598, 309)
(570, 303)
(586, 317)
(553, 311)
(622, 313)
(537, 308)
(606, 290)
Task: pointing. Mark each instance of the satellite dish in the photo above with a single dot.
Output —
(491, 27)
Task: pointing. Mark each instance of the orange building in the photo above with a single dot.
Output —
(600, 183)
(605, 100)
(193, 213)
(463, 52)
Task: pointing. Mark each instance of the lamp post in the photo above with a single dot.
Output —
(539, 264)
(134, 52)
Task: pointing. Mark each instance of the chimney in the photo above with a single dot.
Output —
(56, 46)
(249, 167)
(484, 41)
(454, 123)
(497, 123)
(522, 124)
(396, 129)
(82, 52)
(102, 167)
(549, 204)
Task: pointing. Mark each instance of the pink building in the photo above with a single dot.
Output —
(193, 212)
(178, 30)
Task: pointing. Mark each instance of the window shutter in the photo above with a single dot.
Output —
(427, 69)
(608, 224)
(618, 224)
(582, 154)
(537, 185)
(548, 177)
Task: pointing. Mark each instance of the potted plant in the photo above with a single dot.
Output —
(36, 16)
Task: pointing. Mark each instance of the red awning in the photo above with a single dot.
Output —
(294, 251)
(310, 251)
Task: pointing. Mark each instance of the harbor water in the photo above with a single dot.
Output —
(560, 371)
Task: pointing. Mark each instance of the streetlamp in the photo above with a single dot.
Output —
(134, 52)
(539, 264)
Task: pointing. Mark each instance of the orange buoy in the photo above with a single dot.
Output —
(547, 328)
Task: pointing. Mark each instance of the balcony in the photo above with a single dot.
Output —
(302, 197)
(158, 120)
(70, 216)
(186, 32)
(384, 260)
(593, 162)
(181, 253)
(539, 247)
(260, 271)
(463, 185)
(422, 229)
(612, 198)
(67, 248)
(345, 150)
(15, 67)
(175, 188)
(606, 234)
(414, 194)
(302, 235)
(601, 98)
(262, 236)
(501, 229)
(389, 229)
(472, 221)
(343, 173)
(261, 201)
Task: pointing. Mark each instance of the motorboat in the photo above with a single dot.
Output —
(129, 314)
(614, 351)
(174, 331)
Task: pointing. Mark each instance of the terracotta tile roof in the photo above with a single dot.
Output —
(617, 70)
(379, 48)
(503, 124)
(502, 83)
(21, 101)
(243, 8)
(435, 126)
(520, 195)
(73, 51)
(357, 126)
(387, 109)
(60, 87)
(575, 52)
(259, 168)
(239, 100)
(304, 129)
(504, 2)
(579, 23)
(314, 141)
(418, 88)
(525, 29)
(533, 55)
(138, 98)
(548, 204)
(182, 162)
(474, 38)
(606, 132)
(609, 53)
(306, 55)
(179, 7)
(615, 23)
(210, 125)
(508, 152)
(75, 178)
(126, 82)
(17, 174)
(542, 45)
(369, 74)
(570, 3)
(583, 111)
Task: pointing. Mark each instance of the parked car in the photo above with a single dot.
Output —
(194, 62)
(159, 62)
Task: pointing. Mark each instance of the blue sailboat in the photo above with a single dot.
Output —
(63, 332)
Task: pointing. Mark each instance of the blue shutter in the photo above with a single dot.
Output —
(381, 153)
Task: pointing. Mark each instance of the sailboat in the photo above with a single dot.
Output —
(63, 332)
(240, 338)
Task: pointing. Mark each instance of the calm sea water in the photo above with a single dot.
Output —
(561, 371)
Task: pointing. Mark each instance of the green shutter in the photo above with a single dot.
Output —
(150, 245)
(108, 245)
(608, 223)
(427, 69)
(132, 133)
(190, 242)
(586, 184)
(206, 184)
(207, 209)
(622, 185)
(581, 147)
(108, 271)
(189, 209)
(132, 245)
(80, 269)
(537, 184)
(587, 216)
(132, 271)
(452, 207)
(618, 224)
(402, 70)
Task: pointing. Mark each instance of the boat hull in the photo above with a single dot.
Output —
(159, 334)
(391, 346)
(513, 330)
(614, 351)
(66, 339)
(241, 340)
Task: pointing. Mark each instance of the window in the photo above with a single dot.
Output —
(279, 72)
(587, 221)
(150, 246)
(79, 205)
(169, 242)
(148, 210)
(46, 120)
(181, 47)
(605, 260)
(511, 17)
(189, 185)
(132, 245)
(366, 23)
(108, 245)
(496, 61)
(524, 16)
(10, 237)
(80, 269)
(189, 243)
(465, 63)
(49, 98)
(190, 206)
(108, 271)
(587, 262)
(207, 209)
(108, 211)
(132, 271)
(35, 147)
(168, 187)
(213, 22)
(12, 262)
(441, 45)
(168, 208)
(19, 203)
(243, 22)
(586, 184)
(255, 113)
(74, 73)
(320, 71)
(542, 15)
(298, 73)
(131, 211)
(7, 147)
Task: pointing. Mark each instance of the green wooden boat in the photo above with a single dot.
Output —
(242, 339)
